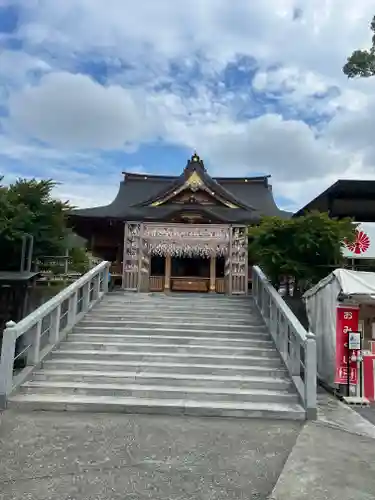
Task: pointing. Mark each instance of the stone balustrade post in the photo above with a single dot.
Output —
(72, 311)
(106, 279)
(310, 377)
(7, 361)
(33, 353)
(54, 335)
(86, 296)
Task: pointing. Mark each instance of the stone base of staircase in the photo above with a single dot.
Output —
(105, 404)
(177, 355)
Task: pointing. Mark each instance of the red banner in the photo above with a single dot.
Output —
(347, 321)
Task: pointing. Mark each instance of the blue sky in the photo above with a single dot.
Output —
(91, 88)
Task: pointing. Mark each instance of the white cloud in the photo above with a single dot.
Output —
(297, 59)
(285, 149)
(290, 80)
(217, 28)
(73, 111)
(353, 132)
(14, 65)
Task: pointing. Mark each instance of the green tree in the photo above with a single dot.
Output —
(80, 261)
(27, 207)
(362, 62)
(304, 248)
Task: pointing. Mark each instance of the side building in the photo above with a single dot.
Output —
(345, 198)
(185, 233)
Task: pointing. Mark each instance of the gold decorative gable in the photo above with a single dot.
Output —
(194, 183)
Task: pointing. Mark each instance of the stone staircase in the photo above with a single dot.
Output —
(168, 354)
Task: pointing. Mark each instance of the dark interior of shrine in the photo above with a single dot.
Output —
(187, 267)
(190, 266)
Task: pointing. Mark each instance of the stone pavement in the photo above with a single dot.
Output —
(61, 456)
(368, 412)
(334, 413)
(328, 464)
(333, 458)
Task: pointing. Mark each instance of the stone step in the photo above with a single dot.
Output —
(180, 297)
(177, 340)
(176, 307)
(107, 365)
(45, 402)
(183, 307)
(178, 317)
(171, 357)
(159, 392)
(176, 379)
(184, 297)
(251, 333)
(188, 348)
(176, 324)
(166, 354)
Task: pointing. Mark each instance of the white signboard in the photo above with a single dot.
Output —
(355, 341)
(363, 246)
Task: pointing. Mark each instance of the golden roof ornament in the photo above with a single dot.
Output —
(195, 158)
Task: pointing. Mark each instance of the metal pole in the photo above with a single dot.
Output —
(23, 254)
(348, 371)
(30, 253)
(360, 368)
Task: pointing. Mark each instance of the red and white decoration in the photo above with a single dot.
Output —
(361, 243)
(363, 247)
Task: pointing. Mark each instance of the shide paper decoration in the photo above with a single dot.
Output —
(187, 250)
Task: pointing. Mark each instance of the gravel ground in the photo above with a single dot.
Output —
(61, 456)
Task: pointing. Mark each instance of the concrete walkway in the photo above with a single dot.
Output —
(333, 458)
(328, 464)
(61, 456)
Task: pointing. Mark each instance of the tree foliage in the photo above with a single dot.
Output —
(304, 248)
(80, 261)
(362, 62)
(27, 207)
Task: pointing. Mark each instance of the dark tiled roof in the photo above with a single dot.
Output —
(255, 196)
(345, 198)
(256, 192)
(211, 183)
(11, 276)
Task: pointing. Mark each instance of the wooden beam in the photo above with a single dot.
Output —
(213, 274)
(167, 281)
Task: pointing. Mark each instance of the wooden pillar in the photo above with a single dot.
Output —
(92, 244)
(119, 257)
(167, 281)
(213, 274)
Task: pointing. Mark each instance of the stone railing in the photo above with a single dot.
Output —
(29, 341)
(296, 346)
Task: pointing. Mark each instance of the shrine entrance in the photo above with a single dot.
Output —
(185, 257)
(190, 274)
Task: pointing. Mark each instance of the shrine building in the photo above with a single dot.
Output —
(185, 233)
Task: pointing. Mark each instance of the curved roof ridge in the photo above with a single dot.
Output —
(157, 177)
(195, 164)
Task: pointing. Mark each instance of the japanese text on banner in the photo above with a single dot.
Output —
(347, 321)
